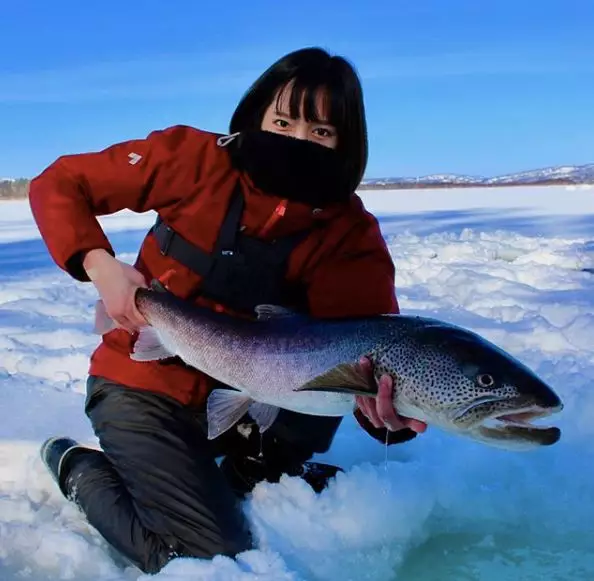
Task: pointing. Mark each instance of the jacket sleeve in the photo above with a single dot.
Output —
(358, 280)
(139, 175)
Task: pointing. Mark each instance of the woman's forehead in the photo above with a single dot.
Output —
(313, 104)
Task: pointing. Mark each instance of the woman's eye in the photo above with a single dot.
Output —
(282, 123)
(323, 132)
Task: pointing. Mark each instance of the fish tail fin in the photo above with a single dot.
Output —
(103, 322)
(148, 346)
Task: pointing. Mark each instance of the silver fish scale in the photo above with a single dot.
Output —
(268, 359)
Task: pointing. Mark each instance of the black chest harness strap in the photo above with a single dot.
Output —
(242, 271)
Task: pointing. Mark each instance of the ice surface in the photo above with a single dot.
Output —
(511, 264)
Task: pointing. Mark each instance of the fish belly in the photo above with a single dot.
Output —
(308, 402)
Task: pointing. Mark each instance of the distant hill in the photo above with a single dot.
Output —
(16, 189)
(561, 175)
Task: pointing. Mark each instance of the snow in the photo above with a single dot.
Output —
(16, 224)
(511, 264)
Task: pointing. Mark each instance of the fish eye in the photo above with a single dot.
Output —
(485, 380)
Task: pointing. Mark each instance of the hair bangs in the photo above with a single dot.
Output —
(317, 99)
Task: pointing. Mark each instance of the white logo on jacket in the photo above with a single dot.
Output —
(134, 158)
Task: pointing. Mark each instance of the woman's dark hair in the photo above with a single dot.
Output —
(310, 70)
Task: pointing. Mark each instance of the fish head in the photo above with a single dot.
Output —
(452, 377)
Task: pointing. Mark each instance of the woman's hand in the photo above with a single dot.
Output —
(116, 282)
(380, 410)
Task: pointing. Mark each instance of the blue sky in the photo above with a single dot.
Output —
(457, 86)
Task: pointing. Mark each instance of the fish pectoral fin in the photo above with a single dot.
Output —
(224, 408)
(263, 414)
(344, 378)
(148, 346)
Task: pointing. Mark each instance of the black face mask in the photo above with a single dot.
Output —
(296, 169)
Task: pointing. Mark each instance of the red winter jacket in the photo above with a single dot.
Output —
(183, 175)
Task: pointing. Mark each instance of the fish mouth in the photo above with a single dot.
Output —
(515, 428)
(519, 426)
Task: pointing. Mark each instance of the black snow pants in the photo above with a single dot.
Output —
(155, 492)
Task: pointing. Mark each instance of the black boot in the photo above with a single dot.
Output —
(57, 454)
(317, 474)
(244, 472)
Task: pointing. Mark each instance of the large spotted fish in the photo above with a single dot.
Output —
(444, 375)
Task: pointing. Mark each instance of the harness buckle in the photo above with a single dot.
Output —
(167, 239)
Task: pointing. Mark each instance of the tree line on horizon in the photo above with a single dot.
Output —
(19, 189)
(14, 189)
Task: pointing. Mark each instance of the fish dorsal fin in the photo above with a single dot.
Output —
(345, 378)
(267, 312)
(158, 286)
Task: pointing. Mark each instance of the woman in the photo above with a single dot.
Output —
(267, 214)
